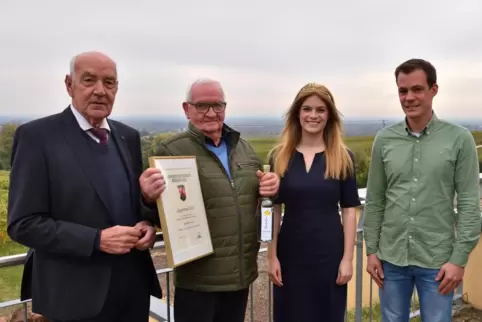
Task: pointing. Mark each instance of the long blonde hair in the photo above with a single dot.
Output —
(339, 164)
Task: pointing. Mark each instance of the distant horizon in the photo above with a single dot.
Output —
(13, 118)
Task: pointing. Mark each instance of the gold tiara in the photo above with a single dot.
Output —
(316, 88)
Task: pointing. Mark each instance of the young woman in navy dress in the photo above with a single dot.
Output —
(311, 256)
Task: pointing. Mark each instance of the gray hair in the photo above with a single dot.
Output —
(72, 66)
(203, 81)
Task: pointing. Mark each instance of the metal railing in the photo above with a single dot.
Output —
(162, 309)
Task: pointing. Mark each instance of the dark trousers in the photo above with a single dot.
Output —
(197, 306)
(128, 298)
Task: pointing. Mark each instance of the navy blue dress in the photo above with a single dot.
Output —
(311, 243)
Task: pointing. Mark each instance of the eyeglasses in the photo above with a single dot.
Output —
(202, 107)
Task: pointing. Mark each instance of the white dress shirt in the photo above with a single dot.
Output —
(86, 126)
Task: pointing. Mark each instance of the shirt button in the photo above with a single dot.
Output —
(418, 141)
(413, 199)
(416, 160)
(411, 218)
(415, 179)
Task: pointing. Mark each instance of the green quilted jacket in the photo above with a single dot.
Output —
(231, 206)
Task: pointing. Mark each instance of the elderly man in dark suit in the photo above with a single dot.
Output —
(75, 199)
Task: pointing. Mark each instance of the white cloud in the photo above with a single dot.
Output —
(262, 51)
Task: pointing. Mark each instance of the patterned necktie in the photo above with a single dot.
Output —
(101, 134)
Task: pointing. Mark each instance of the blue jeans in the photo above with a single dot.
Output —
(398, 285)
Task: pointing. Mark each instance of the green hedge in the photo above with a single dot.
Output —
(3, 207)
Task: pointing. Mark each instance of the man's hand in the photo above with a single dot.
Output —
(152, 184)
(450, 276)
(374, 268)
(148, 235)
(119, 239)
(268, 183)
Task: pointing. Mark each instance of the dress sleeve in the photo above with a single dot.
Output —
(277, 198)
(349, 192)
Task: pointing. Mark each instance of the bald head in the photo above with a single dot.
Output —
(201, 84)
(90, 56)
(92, 84)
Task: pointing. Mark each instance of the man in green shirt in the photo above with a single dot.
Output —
(414, 238)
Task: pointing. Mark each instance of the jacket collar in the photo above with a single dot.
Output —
(228, 134)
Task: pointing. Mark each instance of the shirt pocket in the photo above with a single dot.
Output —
(248, 165)
(245, 173)
(247, 169)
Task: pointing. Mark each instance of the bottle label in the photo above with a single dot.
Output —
(266, 224)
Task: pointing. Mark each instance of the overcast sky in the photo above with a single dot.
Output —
(262, 51)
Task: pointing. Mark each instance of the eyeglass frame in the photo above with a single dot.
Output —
(210, 105)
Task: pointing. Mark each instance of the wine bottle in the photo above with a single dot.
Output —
(265, 222)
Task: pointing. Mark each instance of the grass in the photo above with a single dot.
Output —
(11, 277)
(262, 147)
(357, 143)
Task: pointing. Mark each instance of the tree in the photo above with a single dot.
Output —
(6, 141)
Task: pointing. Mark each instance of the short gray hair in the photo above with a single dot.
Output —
(72, 66)
(201, 82)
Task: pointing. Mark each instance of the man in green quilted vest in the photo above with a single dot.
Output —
(215, 288)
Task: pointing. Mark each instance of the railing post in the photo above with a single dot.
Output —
(270, 301)
(359, 276)
(459, 295)
(168, 300)
(25, 313)
(359, 266)
(251, 297)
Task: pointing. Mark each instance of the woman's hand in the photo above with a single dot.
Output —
(274, 271)
(345, 271)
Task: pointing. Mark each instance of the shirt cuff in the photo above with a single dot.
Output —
(370, 250)
(459, 258)
(149, 205)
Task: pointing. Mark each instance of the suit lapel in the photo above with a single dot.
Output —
(76, 139)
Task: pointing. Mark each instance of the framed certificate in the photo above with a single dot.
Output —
(181, 210)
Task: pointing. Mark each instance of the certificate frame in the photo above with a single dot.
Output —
(181, 210)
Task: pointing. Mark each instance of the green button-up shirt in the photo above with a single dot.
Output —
(412, 182)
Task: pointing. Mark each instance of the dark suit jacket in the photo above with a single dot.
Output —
(26, 287)
(57, 204)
